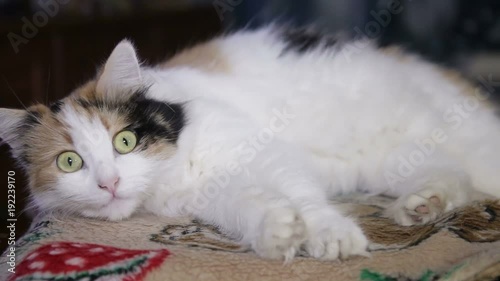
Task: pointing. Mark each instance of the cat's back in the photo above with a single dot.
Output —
(278, 62)
(337, 90)
(347, 104)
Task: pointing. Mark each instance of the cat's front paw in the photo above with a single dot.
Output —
(336, 238)
(419, 208)
(281, 233)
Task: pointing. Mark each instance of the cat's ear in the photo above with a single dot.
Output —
(10, 122)
(122, 71)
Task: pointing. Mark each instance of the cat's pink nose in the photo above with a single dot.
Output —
(110, 185)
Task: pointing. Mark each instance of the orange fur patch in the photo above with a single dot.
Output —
(207, 57)
(44, 142)
(467, 88)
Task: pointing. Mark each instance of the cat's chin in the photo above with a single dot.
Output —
(117, 209)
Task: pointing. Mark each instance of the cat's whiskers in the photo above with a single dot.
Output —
(48, 84)
(37, 118)
(13, 92)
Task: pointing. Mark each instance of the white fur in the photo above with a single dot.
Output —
(269, 141)
(354, 116)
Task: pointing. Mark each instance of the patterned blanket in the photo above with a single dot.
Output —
(461, 245)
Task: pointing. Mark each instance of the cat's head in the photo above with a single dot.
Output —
(96, 152)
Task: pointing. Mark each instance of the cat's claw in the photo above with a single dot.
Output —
(282, 232)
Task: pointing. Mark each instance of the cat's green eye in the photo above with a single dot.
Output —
(125, 142)
(69, 162)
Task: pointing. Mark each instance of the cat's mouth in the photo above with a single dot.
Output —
(113, 198)
(116, 197)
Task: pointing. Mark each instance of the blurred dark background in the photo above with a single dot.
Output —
(48, 47)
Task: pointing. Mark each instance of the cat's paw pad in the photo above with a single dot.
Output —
(337, 240)
(419, 208)
(282, 232)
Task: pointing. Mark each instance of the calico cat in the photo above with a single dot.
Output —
(254, 131)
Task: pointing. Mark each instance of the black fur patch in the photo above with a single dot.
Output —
(56, 106)
(303, 40)
(31, 119)
(151, 120)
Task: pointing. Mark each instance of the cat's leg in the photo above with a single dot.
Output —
(330, 235)
(436, 186)
(266, 220)
(276, 205)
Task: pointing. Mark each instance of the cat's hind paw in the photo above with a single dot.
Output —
(282, 232)
(418, 208)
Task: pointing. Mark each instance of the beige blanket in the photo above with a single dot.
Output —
(462, 245)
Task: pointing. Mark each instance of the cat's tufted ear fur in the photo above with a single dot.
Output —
(122, 71)
(11, 122)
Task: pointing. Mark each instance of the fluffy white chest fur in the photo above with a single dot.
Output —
(271, 130)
